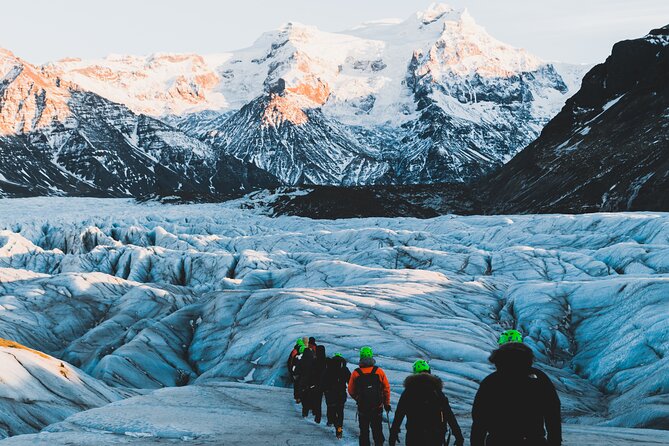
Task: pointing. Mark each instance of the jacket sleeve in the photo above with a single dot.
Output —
(452, 421)
(400, 413)
(289, 363)
(385, 386)
(351, 384)
(552, 415)
(479, 420)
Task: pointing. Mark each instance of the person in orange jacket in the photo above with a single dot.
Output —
(370, 389)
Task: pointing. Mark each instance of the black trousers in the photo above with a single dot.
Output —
(316, 396)
(296, 389)
(312, 401)
(336, 414)
(374, 421)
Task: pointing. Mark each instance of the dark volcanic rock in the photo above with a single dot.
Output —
(421, 201)
(607, 150)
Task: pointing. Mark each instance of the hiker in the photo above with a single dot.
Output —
(303, 368)
(427, 411)
(313, 394)
(291, 364)
(516, 405)
(334, 381)
(312, 344)
(370, 389)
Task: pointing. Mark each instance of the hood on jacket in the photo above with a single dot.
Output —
(336, 362)
(423, 379)
(367, 362)
(320, 353)
(513, 357)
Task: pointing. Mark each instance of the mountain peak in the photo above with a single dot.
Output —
(436, 12)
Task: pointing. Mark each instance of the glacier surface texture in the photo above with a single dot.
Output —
(196, 307)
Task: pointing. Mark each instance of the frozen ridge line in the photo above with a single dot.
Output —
(152, 296)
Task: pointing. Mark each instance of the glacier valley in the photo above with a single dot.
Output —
(161, 324)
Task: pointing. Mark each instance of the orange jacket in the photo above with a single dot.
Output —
(385, 385)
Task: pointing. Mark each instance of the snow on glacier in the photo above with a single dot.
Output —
(151, 296)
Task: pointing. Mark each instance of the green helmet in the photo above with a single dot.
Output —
(421, 366)
(366, 352)
(302, 348)
(338, 355)
(299, 342)
(510, 336)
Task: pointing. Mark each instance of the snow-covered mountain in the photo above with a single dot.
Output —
(56, 138)
(429, 99)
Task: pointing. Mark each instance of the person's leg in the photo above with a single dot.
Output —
(317, 406)
(363, 421)
(296, 390)
(339, 420)
(339, 415)
(376, 423)
(306, 402)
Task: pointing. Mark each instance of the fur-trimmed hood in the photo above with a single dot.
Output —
(423, 380)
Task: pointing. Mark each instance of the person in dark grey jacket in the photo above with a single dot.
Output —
(518, 404)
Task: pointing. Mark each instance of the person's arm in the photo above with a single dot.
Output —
(479, 423)
(385, 386)
(552, 416)
(400, 413)
(351, 384)
(289, 365)
(452, 423)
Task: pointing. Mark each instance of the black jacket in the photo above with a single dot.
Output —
(318, 367)
(516, 402)
(304, 365)
(426, 408)
(335, 380)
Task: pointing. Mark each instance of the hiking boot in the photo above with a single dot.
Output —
(340, 432)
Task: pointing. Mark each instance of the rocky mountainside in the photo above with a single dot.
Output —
(57, 139)
(608, 149)
(432, 98)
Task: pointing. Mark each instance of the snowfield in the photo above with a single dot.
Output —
(207, 300)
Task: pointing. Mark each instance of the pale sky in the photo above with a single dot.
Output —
(563, 30)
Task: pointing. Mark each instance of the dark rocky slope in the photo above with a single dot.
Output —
(607, 150)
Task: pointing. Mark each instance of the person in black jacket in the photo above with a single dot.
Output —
(334, 382)
(516, 405)
(428, 413)
(314, 392)
(304, 365)
(291, 364)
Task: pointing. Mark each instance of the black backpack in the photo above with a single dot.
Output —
(368, 390)
(430, 404)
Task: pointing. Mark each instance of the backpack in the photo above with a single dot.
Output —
(432, 411)
(368, 390)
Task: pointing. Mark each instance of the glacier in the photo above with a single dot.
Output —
(198, 305)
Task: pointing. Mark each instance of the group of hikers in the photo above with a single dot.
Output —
(517, 405)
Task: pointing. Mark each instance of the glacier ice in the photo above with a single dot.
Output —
(195, 296)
